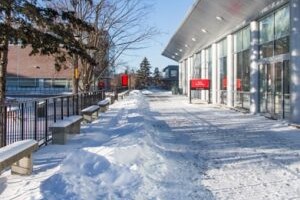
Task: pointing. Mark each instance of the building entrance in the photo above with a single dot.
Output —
(275, 89)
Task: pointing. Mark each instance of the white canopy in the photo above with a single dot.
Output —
(210, 20)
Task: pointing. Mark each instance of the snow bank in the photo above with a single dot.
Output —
(153, 145)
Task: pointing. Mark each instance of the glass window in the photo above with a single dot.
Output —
(28, 82)
(173, 73)
(266, 27)
(274, 33)
(223, 73)
(266, 50)
(282, 45)
(239, 41)
(282, 22)
(246, 71)
(243, 71)
(246, 38)
(222, 48)
(47, 83)
(197, 66)
(209, 64)
(242, 39)
(60, 83)
(12, 82)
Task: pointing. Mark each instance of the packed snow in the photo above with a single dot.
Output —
(154, 145)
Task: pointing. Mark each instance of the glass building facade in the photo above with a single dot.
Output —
(255, 65)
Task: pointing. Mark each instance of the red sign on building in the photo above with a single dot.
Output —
(200, 84)
(124, 79)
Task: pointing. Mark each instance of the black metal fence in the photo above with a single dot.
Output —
(31, 119)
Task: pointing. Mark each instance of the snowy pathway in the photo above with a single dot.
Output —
(157, 146)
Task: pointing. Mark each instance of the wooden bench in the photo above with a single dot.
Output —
(18, 156)
(104, 104)
(61, 128)
(90, 113)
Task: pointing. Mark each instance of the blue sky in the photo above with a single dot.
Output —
(166, 17)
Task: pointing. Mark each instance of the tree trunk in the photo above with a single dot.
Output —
(75, 75)
(3, 68)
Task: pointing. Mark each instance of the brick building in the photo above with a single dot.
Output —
(35, 74)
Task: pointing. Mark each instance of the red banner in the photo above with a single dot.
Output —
(239, 85)
(124, 80)
(224, 84)
(101, 85)
(200, 84)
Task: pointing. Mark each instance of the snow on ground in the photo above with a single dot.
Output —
(153, 145)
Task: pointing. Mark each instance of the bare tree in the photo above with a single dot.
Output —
(119, 27)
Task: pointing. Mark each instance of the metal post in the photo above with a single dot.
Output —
(77, 104)
(68, 105)
(190, 94)
(54, 109)
(22, 121)
(73, 104)
(35, 120)
(46, 122)
(61, 108)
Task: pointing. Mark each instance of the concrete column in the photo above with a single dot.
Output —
(214, 73)
(234, 72)
(254, 72)
(203, 72)
(184, 77)
(218, 70)
(189, 74)
(295, 60)
(230, 70)
(180, 75)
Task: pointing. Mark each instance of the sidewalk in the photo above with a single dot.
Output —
(157, 146)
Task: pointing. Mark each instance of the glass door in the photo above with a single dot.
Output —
(286, 89)
(278, 90)
(274, 89)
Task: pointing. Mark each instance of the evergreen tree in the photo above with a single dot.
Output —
(157, 77)
(143, 74)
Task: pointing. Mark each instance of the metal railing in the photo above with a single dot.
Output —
(31, 119)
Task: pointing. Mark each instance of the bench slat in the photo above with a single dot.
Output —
(90, 109)
(103, 102)
(66, 122)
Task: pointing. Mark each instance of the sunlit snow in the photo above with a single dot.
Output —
(154, 145)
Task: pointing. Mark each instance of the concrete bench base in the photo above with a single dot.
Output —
(104, 105)
(111, 98)
(123, 94)
(18, 156)
(61, 128)
(90, 113)
(23, 167)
